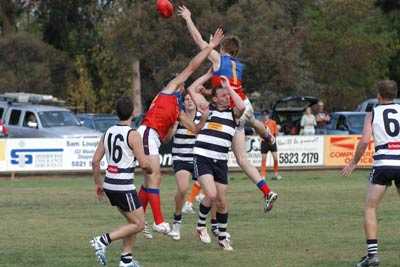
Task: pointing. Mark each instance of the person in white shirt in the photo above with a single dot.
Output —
(308, 123)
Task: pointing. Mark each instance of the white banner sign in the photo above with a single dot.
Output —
(292, 151)
(33, 154)
(300, 150)
(75, 154)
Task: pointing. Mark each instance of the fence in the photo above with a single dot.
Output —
(75, 154)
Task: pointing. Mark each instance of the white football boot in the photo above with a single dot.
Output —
(188, 208)
(203, 235)
(162, 228)
(175, 233)
(100, 250)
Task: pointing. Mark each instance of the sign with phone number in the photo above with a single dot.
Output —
(293, 151)
(75, 154)
(300, 150)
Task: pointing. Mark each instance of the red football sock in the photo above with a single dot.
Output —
(262, 185)
(153, 195)
(143, 198)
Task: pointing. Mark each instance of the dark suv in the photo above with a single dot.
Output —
(346, 122)
(287, 112)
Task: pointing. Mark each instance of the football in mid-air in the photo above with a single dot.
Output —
(165, 8)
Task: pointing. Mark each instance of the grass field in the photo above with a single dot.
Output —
(316, 222)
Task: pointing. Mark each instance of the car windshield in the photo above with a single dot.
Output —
(57, 119)
(103, 124)
(356, 122)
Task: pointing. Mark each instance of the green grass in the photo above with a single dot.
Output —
(316, 222)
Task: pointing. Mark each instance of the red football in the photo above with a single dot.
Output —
(165, 8)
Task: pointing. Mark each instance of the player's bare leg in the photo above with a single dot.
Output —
(258, 127)
(222, 217)
(182, 185)
(135, 224)
(239, 149)
(374, 197)
(127, 243)
(210, 192)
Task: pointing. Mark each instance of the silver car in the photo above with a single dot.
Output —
(33, 121)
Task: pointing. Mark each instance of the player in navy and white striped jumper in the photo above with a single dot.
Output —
(210, 156)
(182, 157)
(384, 125)
(120, 144)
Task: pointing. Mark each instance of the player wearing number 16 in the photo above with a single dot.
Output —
(121, 145)
(383, 124)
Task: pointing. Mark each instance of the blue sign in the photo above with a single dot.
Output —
(28, 154)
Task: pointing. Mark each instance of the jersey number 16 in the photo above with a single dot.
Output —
(114, 149)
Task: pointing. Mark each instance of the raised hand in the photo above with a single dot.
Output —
(225, 81)
(184, 12)
(217, 38)
(204, 108)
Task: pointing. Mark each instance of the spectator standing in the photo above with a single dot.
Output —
(322, 119)
(308, 123)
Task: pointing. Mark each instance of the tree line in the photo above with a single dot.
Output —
(91, 52)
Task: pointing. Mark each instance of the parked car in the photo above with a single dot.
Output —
(99, 122)
(3, 129)
(369, 104)
(346, 122)
(287, 112)
(25, 120)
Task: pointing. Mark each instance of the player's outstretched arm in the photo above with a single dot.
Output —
(194, 63)
(195, 91)
(98, 155)
(185, 13)
(135, 142)
(188, 123)
(361, 146)
(239, 104)
(201, 103)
